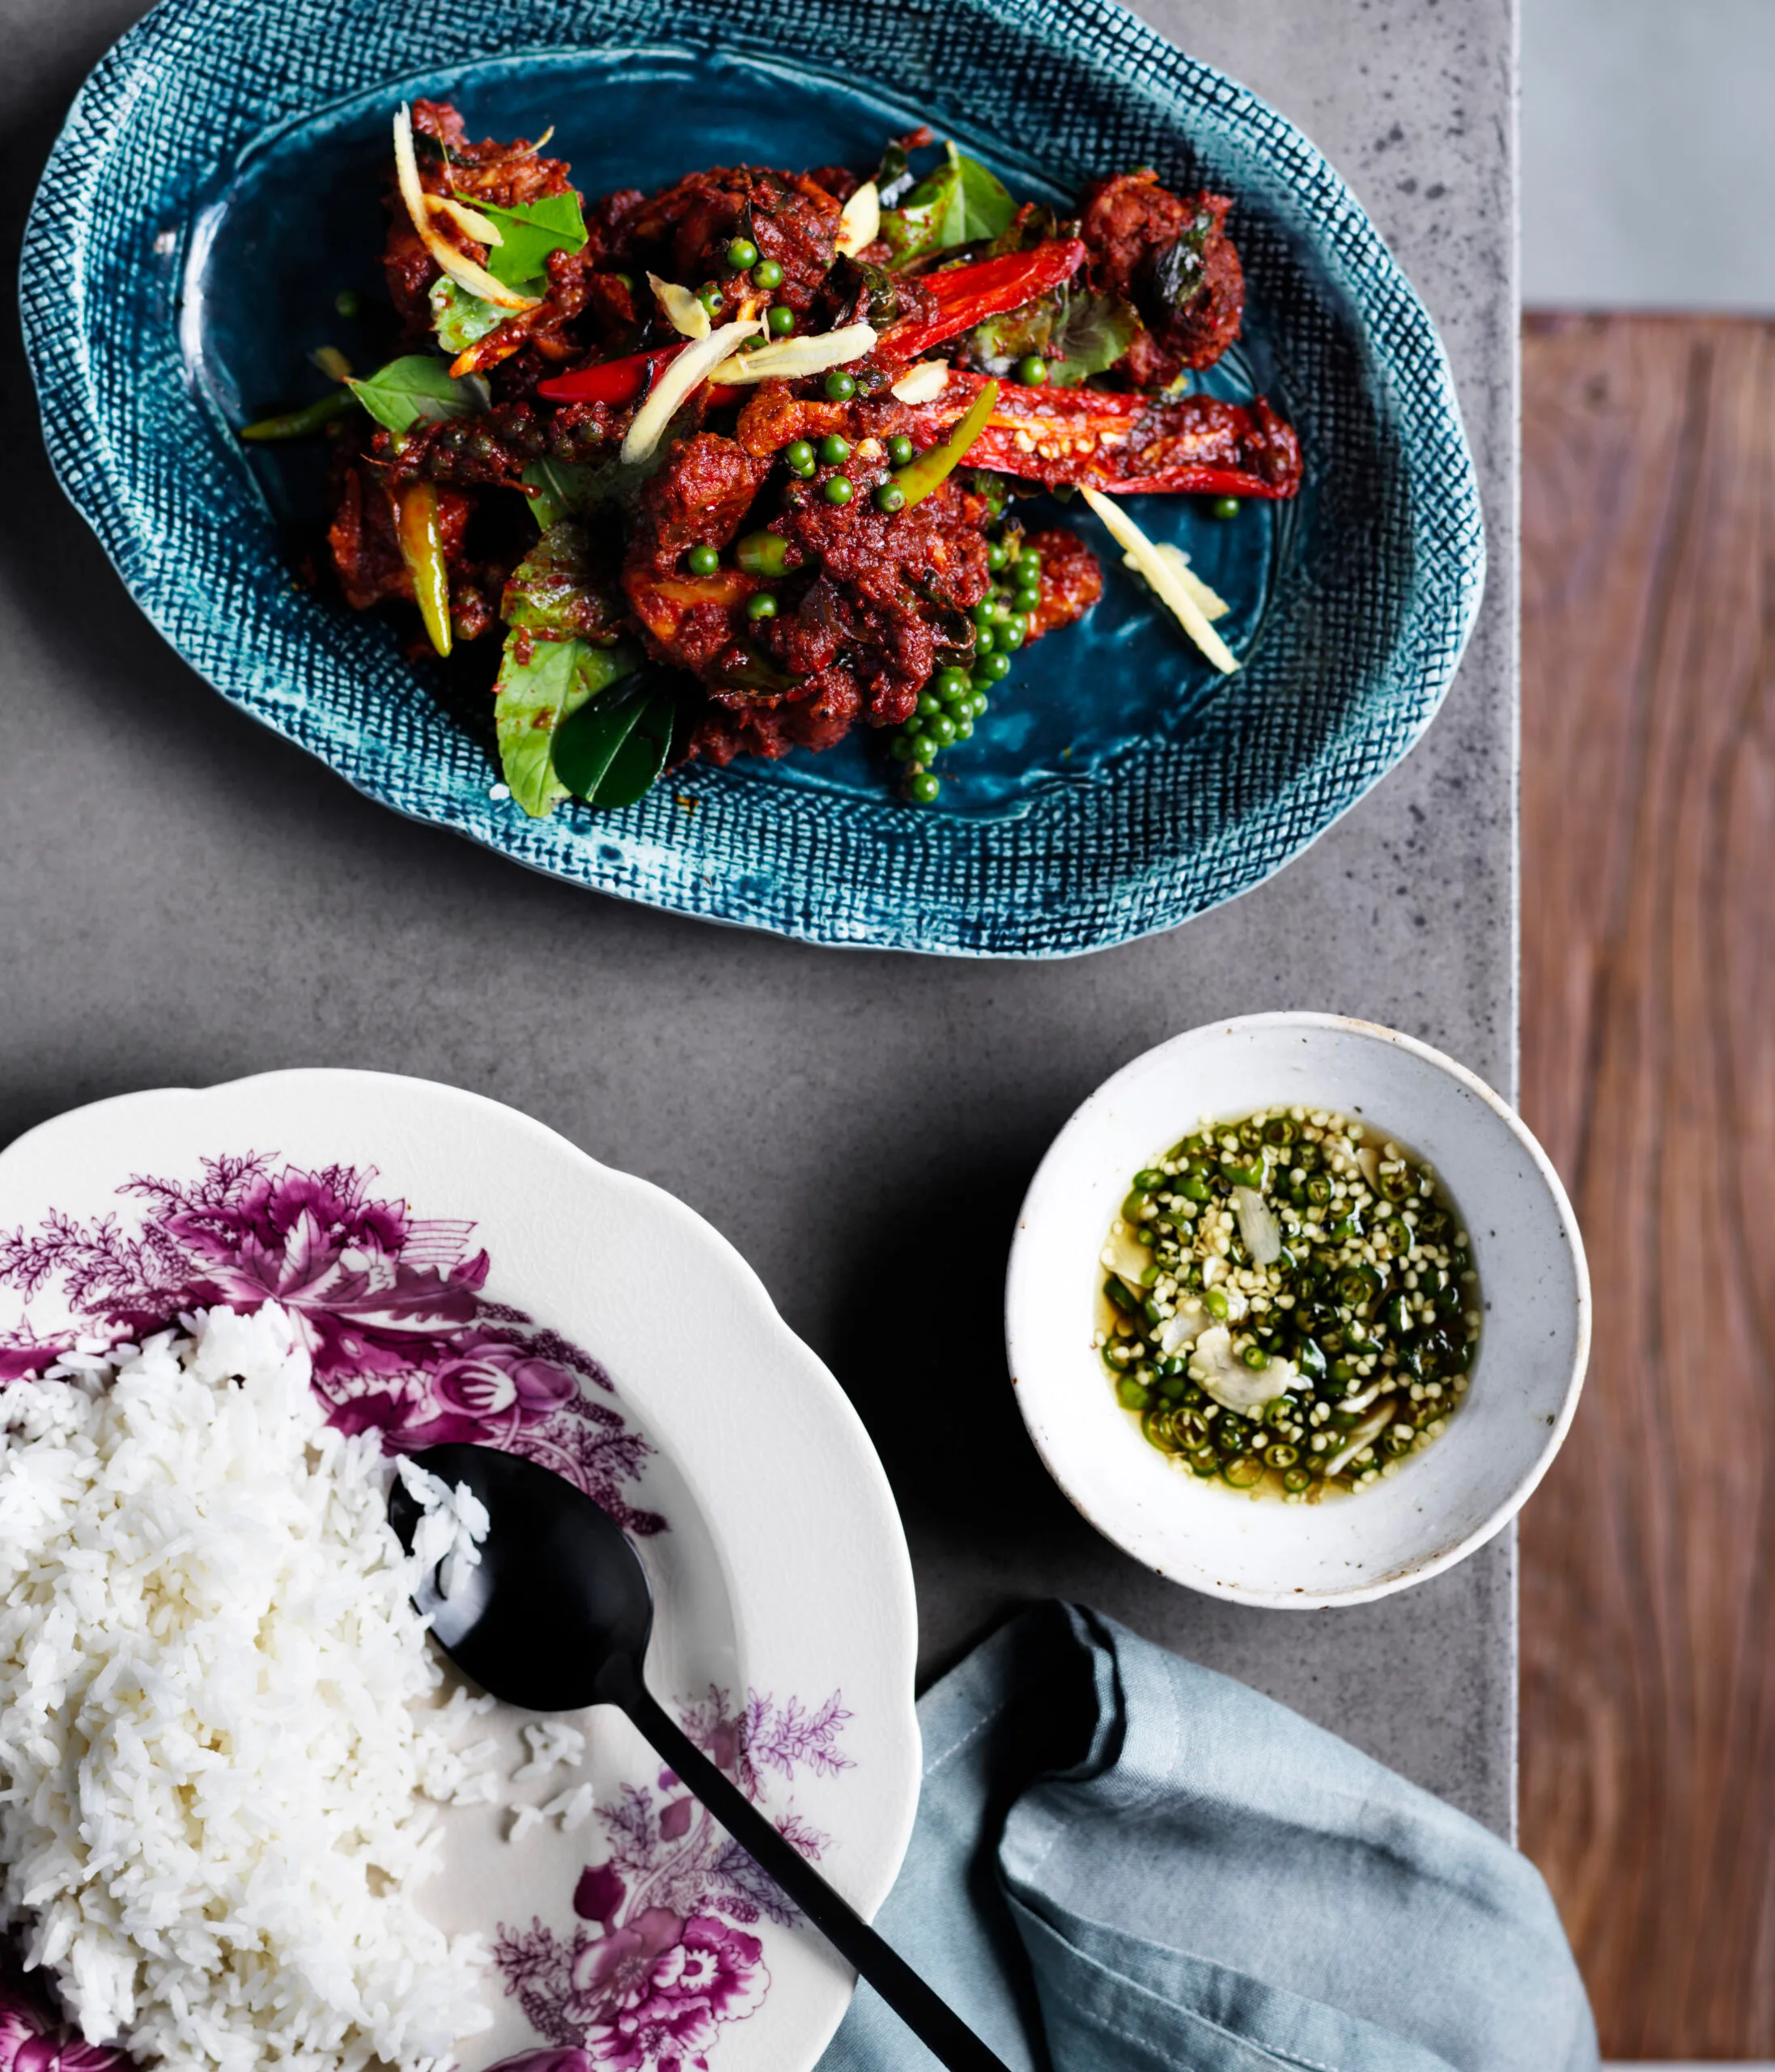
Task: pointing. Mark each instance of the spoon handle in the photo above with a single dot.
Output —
(929, 2017)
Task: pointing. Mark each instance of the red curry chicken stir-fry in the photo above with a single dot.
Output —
(738, 465)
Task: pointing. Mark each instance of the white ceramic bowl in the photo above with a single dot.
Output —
(1533, 1346)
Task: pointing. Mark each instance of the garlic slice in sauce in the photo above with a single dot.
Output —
(1188, 1324)
(1365, 1435)
(1258, 1226)
(1226, 1377)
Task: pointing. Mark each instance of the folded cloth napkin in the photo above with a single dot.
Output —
(1126, 1863)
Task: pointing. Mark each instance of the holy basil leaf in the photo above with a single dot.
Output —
(641, 753)
(529, 233)
(986, 207)
(542, 684)
(568, 489)
(459, 317)
(419, 389)
(566, 586)
(958, 203)
(1091, 332)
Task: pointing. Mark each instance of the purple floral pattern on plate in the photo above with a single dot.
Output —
(659, 1957)
(391, 1306)
(392, 1309)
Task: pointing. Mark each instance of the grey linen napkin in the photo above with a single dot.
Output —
(1123, 1862)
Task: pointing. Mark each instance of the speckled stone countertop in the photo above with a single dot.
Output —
(185, 899)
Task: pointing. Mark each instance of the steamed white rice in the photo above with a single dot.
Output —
(219, 1721)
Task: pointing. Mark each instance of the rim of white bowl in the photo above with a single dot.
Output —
(1046, 1178)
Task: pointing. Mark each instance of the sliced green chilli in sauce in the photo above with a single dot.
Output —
(1289, 1305)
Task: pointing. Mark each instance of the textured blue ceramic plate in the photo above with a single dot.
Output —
(215, 187)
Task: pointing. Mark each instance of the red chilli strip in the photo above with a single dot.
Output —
(1124, 445)
(967, 295)
(615, 381)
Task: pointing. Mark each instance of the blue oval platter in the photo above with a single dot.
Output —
(217, 184)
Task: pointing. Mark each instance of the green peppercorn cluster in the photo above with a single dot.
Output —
(956, 698)
(1373, 1303)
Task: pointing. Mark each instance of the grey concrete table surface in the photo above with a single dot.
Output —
(185, 899)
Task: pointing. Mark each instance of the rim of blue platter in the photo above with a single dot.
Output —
(218, 182)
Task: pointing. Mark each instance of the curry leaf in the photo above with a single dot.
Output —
(1179, 272)
(529, 233)
(594, 736)
(459, 316)
(542, 684)
(641, 754)
(419, 389)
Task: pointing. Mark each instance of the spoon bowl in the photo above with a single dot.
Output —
(556, 1616)
(559, 1597)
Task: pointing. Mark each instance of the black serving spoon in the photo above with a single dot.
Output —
(557, 1617)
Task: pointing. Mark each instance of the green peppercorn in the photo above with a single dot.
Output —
(943, 728)
(1014, 634)
(889, 497)
(1032, 370)
(837, 489)
(761, 604)
(779, 320)
(840, 387)
(996, 555)
(923, 789)
(900, 749)
(742, 253)
(767, 273)
(985, 640)
(951, 685)
(995, 667)
(1224, 507)
(901, 451)
(924, 747)
(799, 457)
(964, 727)
(704, 561)
(711, 298)
(835, 449)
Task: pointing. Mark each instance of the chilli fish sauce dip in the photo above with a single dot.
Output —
(1289, 1305)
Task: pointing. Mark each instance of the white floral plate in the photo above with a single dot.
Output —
(461, 1272)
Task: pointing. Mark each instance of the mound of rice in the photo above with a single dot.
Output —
(219, 1720)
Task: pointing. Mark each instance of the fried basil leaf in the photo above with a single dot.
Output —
(530, 232)
(419, 389)
(542, 684)
(894, 178)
